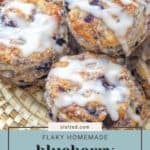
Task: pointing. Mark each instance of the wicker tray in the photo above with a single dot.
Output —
(24, 109)
(21, 108)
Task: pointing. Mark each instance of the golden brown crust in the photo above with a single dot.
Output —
(96, 36)
(8, 53)
(86, 31)
(95, 111)
(28, 69)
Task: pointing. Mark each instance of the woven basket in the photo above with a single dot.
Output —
(21, 108)
(24, 109)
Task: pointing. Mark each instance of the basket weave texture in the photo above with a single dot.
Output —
(21, 108)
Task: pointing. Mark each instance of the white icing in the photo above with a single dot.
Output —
(26, 8)
(119, 24)
(126, 2)
(29, 35)
(108, 97)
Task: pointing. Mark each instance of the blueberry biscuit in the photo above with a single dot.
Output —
(113, 27)
(32, 36)
(94, 88)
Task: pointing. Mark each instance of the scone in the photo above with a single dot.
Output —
(32, 36)
(139, 63)
(114, 27)
(94, 88)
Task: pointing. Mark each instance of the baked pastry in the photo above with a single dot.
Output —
(32, 36)
(139, 63)
(94, 88)
(113, 27)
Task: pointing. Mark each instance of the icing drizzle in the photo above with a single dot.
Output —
(108, 94)
(118, 24)
(24, 26)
